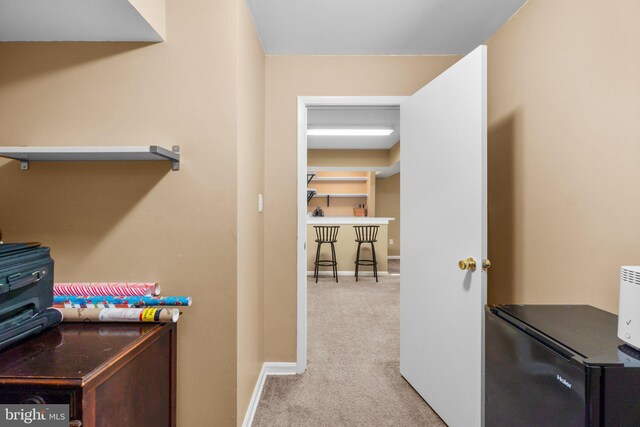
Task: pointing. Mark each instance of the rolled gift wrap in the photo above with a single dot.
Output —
(123, 299)
(90, 305)
(104, 288)
(163, 315)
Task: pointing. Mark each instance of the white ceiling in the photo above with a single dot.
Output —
(378, 27)
(353, 117)
(73, 20)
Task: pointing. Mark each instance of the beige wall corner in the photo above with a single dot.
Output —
(153, 11)
(250, 222)
(394, 153)
(286, 78)
(388, 205)
(371, 191)
(563, 152)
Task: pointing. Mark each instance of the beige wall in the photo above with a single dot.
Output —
(250, 222)
(140, 221)
(388, 205)
(286, 78)
(354, 158)
(348, 158)
(564, 108)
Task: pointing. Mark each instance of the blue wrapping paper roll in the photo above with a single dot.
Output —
(131, 300)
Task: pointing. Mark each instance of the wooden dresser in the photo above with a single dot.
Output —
(110, 374)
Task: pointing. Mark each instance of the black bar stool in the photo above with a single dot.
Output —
(326, 234)
(367, 234)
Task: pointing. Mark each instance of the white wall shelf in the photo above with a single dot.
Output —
(339, 195)
(345, 195)
(82, 20)
(341, 178)
(92, 153)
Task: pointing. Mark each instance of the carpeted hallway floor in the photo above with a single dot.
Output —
(352, 376)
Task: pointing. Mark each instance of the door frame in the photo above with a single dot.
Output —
(304, 102)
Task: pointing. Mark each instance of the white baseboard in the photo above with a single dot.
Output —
(393, 257)
(268, 368)
(280, 368)
(349, 273)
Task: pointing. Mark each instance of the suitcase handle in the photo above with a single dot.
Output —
(43, 320)
(17, 281)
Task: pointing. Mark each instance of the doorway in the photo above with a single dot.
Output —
(351, 329)
(304, 104)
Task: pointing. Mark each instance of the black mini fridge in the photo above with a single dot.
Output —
(558, 365)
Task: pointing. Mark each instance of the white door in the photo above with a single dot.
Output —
(444, 220)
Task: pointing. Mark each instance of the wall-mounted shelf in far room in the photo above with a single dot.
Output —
(340, 195)
(340, 178)
(92, 153)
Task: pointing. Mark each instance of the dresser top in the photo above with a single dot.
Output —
(74, 351)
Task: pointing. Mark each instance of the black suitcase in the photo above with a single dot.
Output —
(26, 291)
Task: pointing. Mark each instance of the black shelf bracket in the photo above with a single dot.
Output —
(310, 176)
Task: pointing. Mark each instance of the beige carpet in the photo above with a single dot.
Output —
(353, 376)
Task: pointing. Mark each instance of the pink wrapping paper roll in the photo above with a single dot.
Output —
(99, 289)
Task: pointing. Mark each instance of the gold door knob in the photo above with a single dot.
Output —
(468, 264)
(486, 264)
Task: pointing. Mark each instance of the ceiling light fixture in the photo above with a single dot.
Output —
(349, 132)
